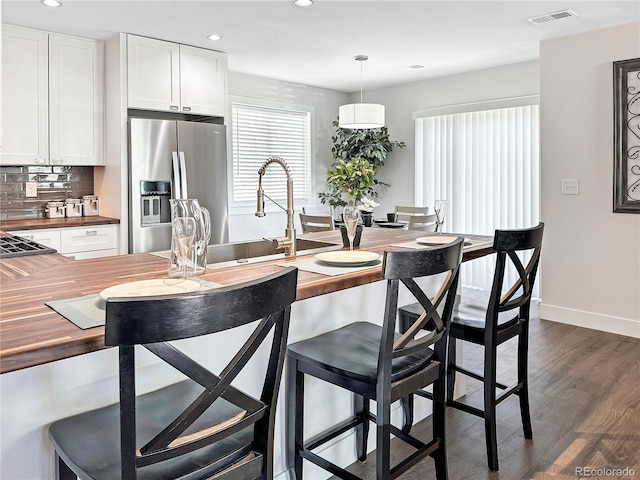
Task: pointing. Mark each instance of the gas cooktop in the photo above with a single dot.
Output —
(12, 246)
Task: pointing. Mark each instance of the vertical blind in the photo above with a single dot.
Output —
(486, 164)
(260, 132)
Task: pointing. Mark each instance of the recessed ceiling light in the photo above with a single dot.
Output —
(214, 37)
(52, 3)
(303, 3)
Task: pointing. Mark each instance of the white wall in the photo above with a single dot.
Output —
(246, 225)
(591, 256)
(402, 100)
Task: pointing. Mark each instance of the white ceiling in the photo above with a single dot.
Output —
(316, 45)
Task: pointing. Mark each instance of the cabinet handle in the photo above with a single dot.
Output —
(56, 161)
(173, 107)
(91, 233)
(41, 160)
(186, 109)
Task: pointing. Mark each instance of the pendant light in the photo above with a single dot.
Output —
(361, 115)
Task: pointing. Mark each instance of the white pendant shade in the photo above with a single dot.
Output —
(361, 115)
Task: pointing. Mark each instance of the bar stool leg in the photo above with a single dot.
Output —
(439, 423)
(361, 409)
(383, 439)
(451, 363)
(523, 349)
(295, 406)
(490, 406)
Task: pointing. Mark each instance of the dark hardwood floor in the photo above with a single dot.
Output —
(585, 410)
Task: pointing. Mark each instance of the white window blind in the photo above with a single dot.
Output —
(486, 164)
(261, 132)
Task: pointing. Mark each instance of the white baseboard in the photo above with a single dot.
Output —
(595, 321)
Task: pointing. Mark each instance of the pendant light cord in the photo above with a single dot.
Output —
(360, 58)
(360, 81)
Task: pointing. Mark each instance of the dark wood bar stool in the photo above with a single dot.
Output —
(377, 363)
(506, 316)
(201, 427)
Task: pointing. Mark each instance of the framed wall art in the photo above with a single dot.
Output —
(626, 136)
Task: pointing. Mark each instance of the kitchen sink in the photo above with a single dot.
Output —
(260, 250)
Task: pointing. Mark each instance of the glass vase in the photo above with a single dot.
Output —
(351, 217)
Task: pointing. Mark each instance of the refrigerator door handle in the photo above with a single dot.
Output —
(183, 176)
(176, 176)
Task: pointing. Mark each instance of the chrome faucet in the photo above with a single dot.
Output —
(288, 242)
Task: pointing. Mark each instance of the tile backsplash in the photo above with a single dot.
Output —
(53, 183)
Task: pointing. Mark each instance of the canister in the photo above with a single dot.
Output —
(73, 207)
(91, 205)
(55, 209)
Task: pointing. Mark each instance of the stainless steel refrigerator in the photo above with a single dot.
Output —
(174, 159)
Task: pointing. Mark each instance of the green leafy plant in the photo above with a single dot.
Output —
(372, 145)
(353, 178)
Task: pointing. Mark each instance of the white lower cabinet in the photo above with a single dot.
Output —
(49, 237)
(77, 242)
(89, 242)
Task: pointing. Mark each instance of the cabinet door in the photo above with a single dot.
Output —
(76, 98)
(202, 81)
(25, 97)
(153, 76)
(89, 242)
(48, 236)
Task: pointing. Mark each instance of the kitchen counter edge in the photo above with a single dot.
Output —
(41, 223)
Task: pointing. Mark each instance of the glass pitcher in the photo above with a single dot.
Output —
(198, 263)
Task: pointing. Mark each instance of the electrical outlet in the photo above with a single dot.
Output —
(31, 189)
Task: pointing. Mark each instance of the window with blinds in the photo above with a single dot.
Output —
(260, 132)
(486, 165)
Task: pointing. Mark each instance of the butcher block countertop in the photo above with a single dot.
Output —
(32, 334)
(39, 223)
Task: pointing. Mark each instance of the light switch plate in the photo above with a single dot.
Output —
(31, 189)
(570, 187)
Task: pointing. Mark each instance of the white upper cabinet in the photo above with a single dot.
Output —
(203, 76)
(76, 101)
(153, 76)
(25, 97)
(169, 77)
(53, 99)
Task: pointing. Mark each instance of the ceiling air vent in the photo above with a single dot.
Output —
(549, 17)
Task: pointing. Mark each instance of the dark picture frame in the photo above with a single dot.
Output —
(626, 136)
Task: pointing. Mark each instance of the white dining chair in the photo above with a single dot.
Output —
(316, 223)
(426, 223)
(319, 210)
(403, 213)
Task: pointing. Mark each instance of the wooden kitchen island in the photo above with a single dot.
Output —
(52, 369)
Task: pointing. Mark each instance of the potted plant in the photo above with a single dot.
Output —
(351, 178)
(366, 209)
(372, 145)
